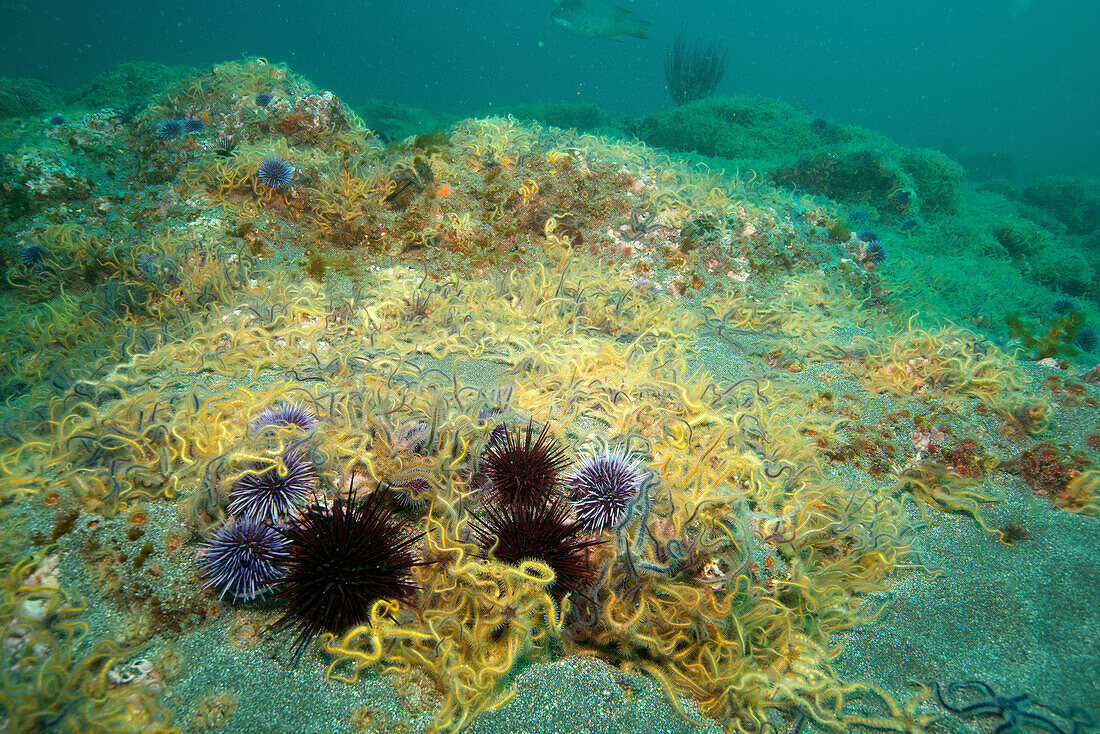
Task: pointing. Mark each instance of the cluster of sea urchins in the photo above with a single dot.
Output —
(331, 562)
(246, 555)
(537, 508)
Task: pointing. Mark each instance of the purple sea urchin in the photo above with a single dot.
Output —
(275, 173)
(602, 487)
(412, 437)
(342, 560)
(538, 532)
(243, 559)
(523, 472)
(271, 493)
(285, 415)
(262, 99)
(1063, 305)
(875, 252)
(169, 129)
(1087, 339)
(226, 147)
(32, 254)
(409, 494)
(487, 415)
(874, 249)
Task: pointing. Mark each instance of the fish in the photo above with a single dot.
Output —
(599, 19)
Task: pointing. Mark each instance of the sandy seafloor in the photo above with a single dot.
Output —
(893, 498)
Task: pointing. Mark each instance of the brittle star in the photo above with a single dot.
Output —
(1013, 709)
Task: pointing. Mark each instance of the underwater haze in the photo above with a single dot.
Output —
(1012, 80)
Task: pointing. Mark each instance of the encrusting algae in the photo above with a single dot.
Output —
(793, 422)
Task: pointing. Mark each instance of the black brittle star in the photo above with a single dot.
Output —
(1019, 713)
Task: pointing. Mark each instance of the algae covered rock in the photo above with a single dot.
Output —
(397, 122)
(580, 117)
(44, 174)
(898, 181)
(936, 178)
(857, 176)
(126, 84)
(739, 128)
(1073, 201)
(1065, 268)
(27, 97)
(800, 151)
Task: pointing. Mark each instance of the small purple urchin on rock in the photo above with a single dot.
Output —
(603, 486)
(875, 252)
(409, 494)
(169, 129)
(1087, 339)
(243, 559)
(275, 173)
(32, 254)
(285, 415)
(492, 415)
(271, 493)
(874, 249)
(411, 437)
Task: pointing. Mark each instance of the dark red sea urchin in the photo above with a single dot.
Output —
(341, 561)
(539, 532)
(522, 471)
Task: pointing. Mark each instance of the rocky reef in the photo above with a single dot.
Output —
(369, 421)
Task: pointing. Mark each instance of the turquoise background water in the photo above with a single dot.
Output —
(1012, 78)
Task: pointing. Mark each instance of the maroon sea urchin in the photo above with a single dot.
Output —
(342, 560)
(540, 532)
(522, 471)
